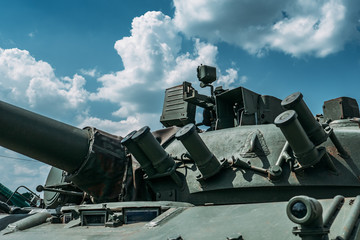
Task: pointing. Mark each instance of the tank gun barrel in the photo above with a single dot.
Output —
(94, 160)
(47, 140)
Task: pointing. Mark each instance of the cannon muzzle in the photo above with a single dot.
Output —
(94, 160)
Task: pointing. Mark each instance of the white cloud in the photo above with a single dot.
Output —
(152, 62)
(243, 79)
(146, 55)
(89, 72)
(184, 66)
(124, 111)
(31, 83)
(123, 127)
(298, 28)
(322, 33)
(229, 79)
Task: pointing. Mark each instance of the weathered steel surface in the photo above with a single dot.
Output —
(251, 221)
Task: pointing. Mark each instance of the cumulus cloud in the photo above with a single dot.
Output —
(123, 127)
(31, 83)
(298, 28)
(146, 55)
(89, 72)
(229, 79)
(152, 62)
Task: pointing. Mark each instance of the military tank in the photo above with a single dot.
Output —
(255, 167)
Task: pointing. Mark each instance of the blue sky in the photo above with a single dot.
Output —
(107, 63)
